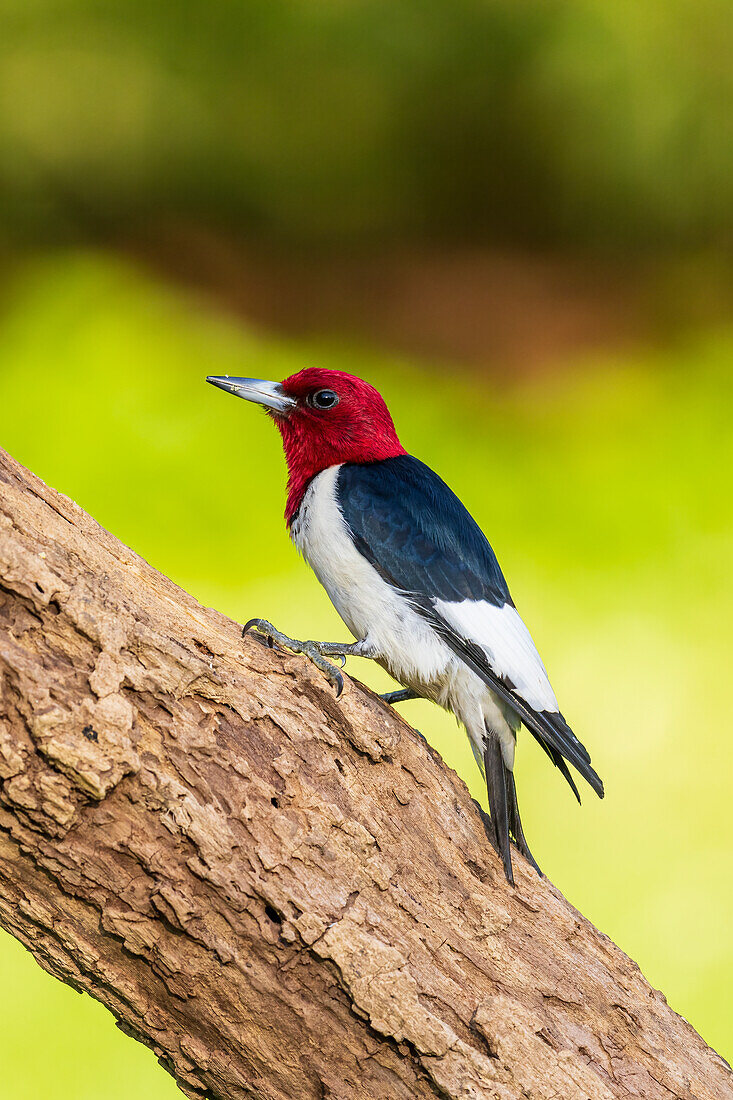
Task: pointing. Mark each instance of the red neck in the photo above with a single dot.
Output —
(307, 456)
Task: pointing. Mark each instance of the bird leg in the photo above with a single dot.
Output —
(317, 652)
(400, 696)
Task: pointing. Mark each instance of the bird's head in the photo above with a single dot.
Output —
(325, 417)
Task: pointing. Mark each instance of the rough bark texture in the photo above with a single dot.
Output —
(283, 895)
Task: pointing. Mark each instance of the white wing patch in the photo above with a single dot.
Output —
(508, 646)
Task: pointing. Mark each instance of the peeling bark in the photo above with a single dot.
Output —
(283, 895)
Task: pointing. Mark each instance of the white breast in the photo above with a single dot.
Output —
(372, 609)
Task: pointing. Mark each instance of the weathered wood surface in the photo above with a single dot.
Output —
(283, 895)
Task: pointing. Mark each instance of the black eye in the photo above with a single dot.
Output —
(323, 399)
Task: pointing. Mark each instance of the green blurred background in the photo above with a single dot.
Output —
(517, 221)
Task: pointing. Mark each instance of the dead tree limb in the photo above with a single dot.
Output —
(282, 895)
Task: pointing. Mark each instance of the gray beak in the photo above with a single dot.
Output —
(269, 394)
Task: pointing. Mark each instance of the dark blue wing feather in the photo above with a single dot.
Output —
(416, 532)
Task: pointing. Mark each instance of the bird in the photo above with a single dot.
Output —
(414, 579)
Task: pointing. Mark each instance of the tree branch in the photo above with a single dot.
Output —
(282, 895)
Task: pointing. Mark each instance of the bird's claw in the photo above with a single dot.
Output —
(267, 630)
(328, 668)
(307, 649)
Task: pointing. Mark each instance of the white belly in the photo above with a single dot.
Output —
(375, 613)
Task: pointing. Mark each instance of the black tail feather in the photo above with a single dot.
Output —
(505, 824)
(561, 738)
(558, 761)
(515, 822)
(498, 802)
(566, 772)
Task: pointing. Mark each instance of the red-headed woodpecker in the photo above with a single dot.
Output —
(414, 579)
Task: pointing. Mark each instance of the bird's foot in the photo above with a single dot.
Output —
(317, 652)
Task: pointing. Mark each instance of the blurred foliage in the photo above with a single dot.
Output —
(546, 121)
(606, 494)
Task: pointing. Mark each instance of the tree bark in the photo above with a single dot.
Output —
(283, 895)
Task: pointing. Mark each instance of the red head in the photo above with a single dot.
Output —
(325, 417)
